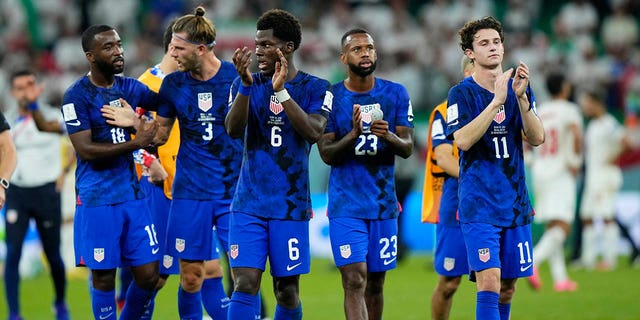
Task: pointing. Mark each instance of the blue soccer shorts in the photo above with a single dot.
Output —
(253, 239)
(117, 235)
(507, 248)
(374, 242)
(451, 253)
(190, 233)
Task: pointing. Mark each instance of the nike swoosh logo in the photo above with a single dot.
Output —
(289, 268)
(102, 317)
(155, 250)
(453, 123)
(523, 269)
(387, 262)
(75, 123)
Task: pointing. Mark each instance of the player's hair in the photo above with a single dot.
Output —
(465, 62)
(555, 80)
(470, 29)
(90, 34)
(166, 37)
(198, 28)
(596, 93)
(20, 73)
(352, 32)
(285, 26)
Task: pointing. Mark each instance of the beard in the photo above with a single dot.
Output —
(363, 72)
(109, 67)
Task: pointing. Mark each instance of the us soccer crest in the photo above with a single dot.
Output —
(484, 255)
(233, 251)
(345, 251)
(205, 101)
(180, 244)
(115, 103)
(500, 116)
(98, 254)
(449, 263)
(167, 261)
(274, 105)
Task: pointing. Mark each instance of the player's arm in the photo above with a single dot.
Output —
(43, 124)
(468, 135)
(236, 118)
(532, 125)
(332, 150)
(401, 142)
(164, 129)
(87, 149)
(8, 160)
(309, 126)
(446, 160)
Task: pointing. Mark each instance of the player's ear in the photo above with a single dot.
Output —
(288, 47)
(89, 56)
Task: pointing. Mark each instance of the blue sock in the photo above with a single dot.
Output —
(137, 302)
(189, 305)
(258, 305)
(214, 299)
(242, 306)
(487, 306)
(505, 310)
(288, 314)
(126, 278)
(103, 304)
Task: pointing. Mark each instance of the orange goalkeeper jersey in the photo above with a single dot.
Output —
(168, 152)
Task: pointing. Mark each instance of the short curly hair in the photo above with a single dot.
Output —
(285, 26)
(470, 29)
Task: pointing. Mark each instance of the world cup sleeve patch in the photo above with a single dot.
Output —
(69, 112)
(452, 114)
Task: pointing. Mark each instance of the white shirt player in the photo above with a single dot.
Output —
(557, 155)
(603, 178)
(556, 161)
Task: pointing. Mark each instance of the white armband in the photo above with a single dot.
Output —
(282, 95)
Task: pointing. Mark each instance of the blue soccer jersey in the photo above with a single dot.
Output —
(449, 198)
(274, 180)
(492, 185)
(362, 184)
(112, 179)
(208, 161)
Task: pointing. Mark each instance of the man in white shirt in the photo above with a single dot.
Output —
(555, 166)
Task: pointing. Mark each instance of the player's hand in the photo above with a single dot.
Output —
(242, 60)
(157, 174)
(501, 87)
(356, 122)
(145, 132)
(521, 80)
(124, 117)
(280, 73)
(380, 128)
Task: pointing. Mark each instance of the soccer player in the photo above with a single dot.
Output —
(604, 141)
(555, 166)
(281, 111)
(440, 205)
(371, 122)
(112, 225)
(487, 115)
(35, 192)
(7, 158)
(207, 165)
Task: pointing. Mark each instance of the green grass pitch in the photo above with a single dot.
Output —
(601, 295)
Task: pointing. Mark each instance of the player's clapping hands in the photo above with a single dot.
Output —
(242, 60)
(521, 80)
(500, 87)
(281, 71)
